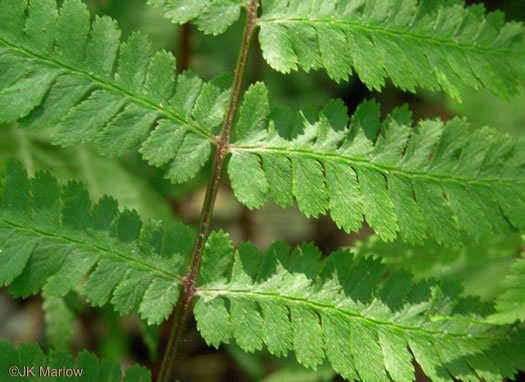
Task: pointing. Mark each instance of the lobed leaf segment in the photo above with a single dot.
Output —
(511, 304)
(51, 238)
(463, 263)
(367, 323)
(435, 45)
(59, 70)
(210, 16)
(436, 179)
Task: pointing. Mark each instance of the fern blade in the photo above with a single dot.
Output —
(70, 79)
(510, 305)
(350, 312)
(445, 46)
(210, 16)
(59, 322)
(63, 240)
(434, 180)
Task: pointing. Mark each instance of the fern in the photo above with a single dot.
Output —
(51, 238)
(65, 74)
(59, 322)
(431, 180)
(86, 368)
(58, 72)
(99, 174)
(299, 374)
(210, 16)
(511, 304)
(436, 45)
(340, 309)
(480, 268)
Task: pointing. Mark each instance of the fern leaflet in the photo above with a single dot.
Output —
(55, 365)
(480, 268)
(57, 69)
(59, 322)
(33, 149)
(429, 44)
(210, 16)
(436, 45)
(51, 238)
(428, 181)
(340, 308)
(510, 305)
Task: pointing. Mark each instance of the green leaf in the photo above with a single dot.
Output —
(126, 131)
(191, 156)
(85, 94)
(210, 16)
(19, 99)
(58, 365)
(99, 174)
(435, 180)
(59, 323)
(248, 179)
(166, 139)
(510, 305)
(480, 268)
(159, 300)
(216, 262)
(295, 373)
(135, 266)
(254, 114)
(436, 45)
(350, 311)
(219, 16)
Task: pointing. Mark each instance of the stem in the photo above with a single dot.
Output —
(184, 47)
(183, 305)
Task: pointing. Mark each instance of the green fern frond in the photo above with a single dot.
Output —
(350, 312)
(480, 268)
(429, 44)
(59, 322)
(210, 16)
(54, 366)
(51, 238)
(510, 305)
(436, 45)
(99, 174)
(296, 373)
(421, 259)
(431, 180)
(57, 69)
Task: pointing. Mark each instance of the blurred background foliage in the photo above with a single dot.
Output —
(70, 323)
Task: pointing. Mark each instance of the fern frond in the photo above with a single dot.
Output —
(422, 259)
(59, 322)
(59, 69)
(33, 149)
(210, 16)
(296, 373)
(349, 311)
(430, 44)
(510, 305)
(51, 238)
(480, 268)
(53, 366)
(432, 180)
